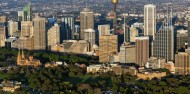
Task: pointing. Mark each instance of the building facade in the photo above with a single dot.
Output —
(127, 53)
(2, 36)
(53, 36)
(181, 39)
(26, 28)
(89, 35)
(12, 27)
(107, 46)
(39, 33)
(142, 50)
(182, 63)
(104, 30)
(67, 28)
(150, 20)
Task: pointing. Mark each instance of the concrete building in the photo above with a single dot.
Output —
(12, 27)
(39, 33)
(89, 35)
(150, 21)
(133, 33)
(142, 50)
(181, 39)
(26, 28)
(127, 53)
(150, 75)
(155, 63)
(107, 46)
(86, 21)
(182, 63)
(24, 43)
(130, 70)
(75, 46)
(104, 30)
(53, 36)
(2, 36)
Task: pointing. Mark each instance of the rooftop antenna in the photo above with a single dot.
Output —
(124, 30)
(86, 3)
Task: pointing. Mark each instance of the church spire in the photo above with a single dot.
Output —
(18, 57)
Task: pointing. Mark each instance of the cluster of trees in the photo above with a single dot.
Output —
(75, 80)
(9, 56)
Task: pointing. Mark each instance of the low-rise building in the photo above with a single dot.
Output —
(148, 75)
(10, 86)
(119, 69)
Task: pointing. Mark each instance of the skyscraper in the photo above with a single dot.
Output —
(67, 28)
(86, 21)
(12, 27)
(163, 44)
(89, 35)
(142, 50)
(39, 33)
(53, 36)
(2, 36)
(104, 30)
(26, 28)
(150, 21)
(107, 46)
(188, 28)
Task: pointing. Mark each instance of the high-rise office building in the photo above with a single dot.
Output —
(142, 50)
(150, 21)
(181, 39)
(86, 21)
(163, 44)
(12, 27)
(53, 36)
(2, 36)
(39, 31)
(104, 30)
(188, 28)
(89, 35)
(26, 28)
(67, 28)
(127, 53)
(133, 33)
(107, 46)
(182, 63)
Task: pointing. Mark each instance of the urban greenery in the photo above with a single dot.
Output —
(72, 79)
